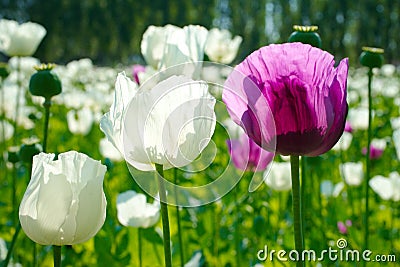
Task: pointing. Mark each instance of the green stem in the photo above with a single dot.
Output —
(3, 117)
(164, 216)
(392, 209)
(10, 250)
(46, 105)
(17, 228)
(14, 193)
(303, 192)
(19, 88)
(140, 246)
(57, 255)
(237, 225)
(296, 200)
(178, 220)
(367, 161)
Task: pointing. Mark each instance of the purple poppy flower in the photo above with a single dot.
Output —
(290, 95)
(136, 69)
(376, 149)
(374, 152)
(247, 155)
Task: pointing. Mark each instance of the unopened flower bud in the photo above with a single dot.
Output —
(305, 35)
(45, 82)
(371, 57)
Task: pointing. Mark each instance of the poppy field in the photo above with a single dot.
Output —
(288, 157)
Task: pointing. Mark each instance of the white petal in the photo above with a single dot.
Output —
(220, 46)
(169, 124)
(352, 173)
(135, 212)
(344, 142)
(279, 176)
(108, 150)
(92, 210)
(337, 189)
(382, 186)
(51, 207)
(112, 122)
(395, 180)
(153, 43)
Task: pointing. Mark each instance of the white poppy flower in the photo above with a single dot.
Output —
(20, 39)
(358, 118)
(220, 46)
(387, 188)
(153, 43)
(111, 124)
(81, 121)
(6, 131)
(352, 173)
(64, 203)
(344, 142)
(184, 45)
(388, 70)
(395, 122)
(279, 177)
(168, 124)
(108, 150)
(134, 211)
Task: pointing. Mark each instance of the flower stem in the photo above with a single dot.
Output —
(237, 225)
(140, 246)
(367, 161)
(296, 199)
(57, 255)
(14, 194)
(10, 250)
(164, 216)
(18, 96)
(46, 105)
(178, 220)
(303, 191)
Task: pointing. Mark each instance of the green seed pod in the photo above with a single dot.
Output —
(45, 82)
(29, 149)
(372, 57)
(306, 35)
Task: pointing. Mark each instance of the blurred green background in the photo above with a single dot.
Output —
(109, 31)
